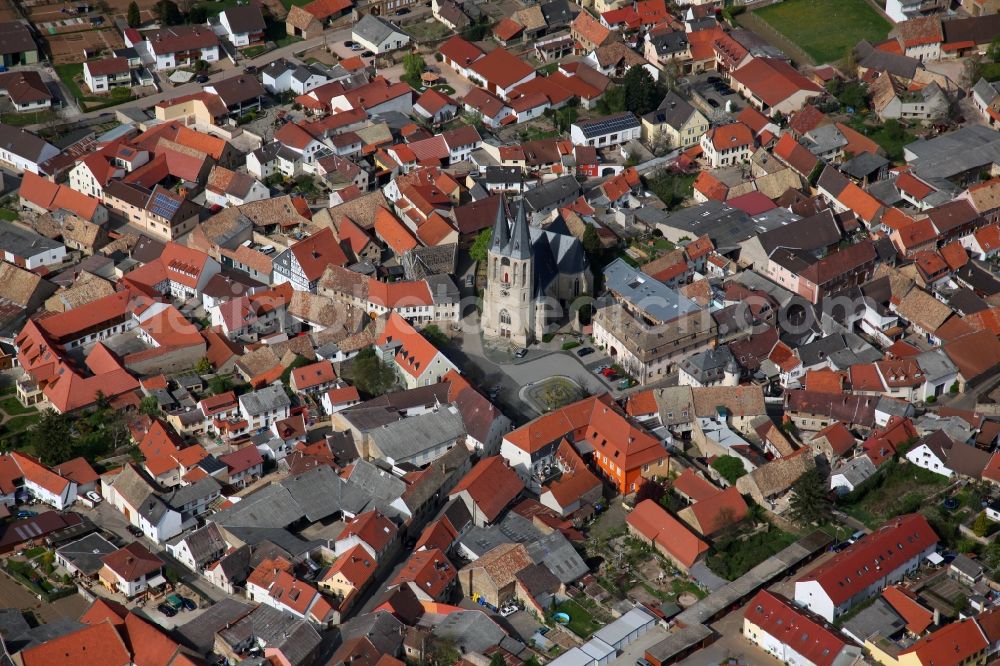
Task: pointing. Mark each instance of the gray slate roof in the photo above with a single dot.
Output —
(374, 29)
(643, 292)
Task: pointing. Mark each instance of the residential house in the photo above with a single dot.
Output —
(778, 627)
(613, 130)
(132, 570)
(774, 86)
(489, 488)
(674, 124)
(417, 361)
(866, 567)
(378, 35)
(177, 46)
(650, 523)
(22, 151)
(727, 145)
(242, 25)
(102, 76)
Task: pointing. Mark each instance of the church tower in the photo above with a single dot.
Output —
(509, 299)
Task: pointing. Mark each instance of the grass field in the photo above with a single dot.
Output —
(825, 29)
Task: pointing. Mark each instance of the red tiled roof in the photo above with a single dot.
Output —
(132, 562)
(838, 436)
(314, 253)
(729, 136)
(428, 570)
(809, 637)
(373, 528)
(953, 643)
(492, 485)
(460, 51)
(694, 487)
(392, 232)
(500, 68)
(720, 511)
(653, 522)
(852, 570)
(917, 616)
(415, 353)
(795, 154)
(94, 644)
(772, 80)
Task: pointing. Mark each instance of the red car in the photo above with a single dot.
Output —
(607, 372)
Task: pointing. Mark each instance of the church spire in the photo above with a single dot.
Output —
(501, 230)
(520, 243)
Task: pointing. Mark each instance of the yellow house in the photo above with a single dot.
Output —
(349, 574)
(198, 109)
(957, 644)
(675, 124)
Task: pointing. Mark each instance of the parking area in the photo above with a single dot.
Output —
(714, 96)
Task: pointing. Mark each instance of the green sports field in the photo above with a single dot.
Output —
(825, 29)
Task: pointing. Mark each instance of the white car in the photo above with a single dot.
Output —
(94, 497)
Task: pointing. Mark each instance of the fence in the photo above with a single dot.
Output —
(753, 22)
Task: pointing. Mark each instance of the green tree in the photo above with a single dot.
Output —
(441, 651)
(52, 438)
(481, 246)
(168, 13)
(220, 384)
(435, 336)
(855, 95)
(993, 52)
(893, 129)
(496, 659)
(369, 374)
(729, 467)
(613, 100)
(413, 67)
(197, 15)
(810, 502)
(982, 524)
(591, 241)
(641, 92)
(133, 18)
(203, 366)
(149, 406)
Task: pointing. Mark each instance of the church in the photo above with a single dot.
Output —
(533, 276)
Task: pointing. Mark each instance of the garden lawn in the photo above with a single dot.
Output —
(893, 146)
(826, 29)
(732, 557)
(580, 621)
(903, 490)
(12, 406)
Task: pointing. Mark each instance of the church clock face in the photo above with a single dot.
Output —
(504, 292)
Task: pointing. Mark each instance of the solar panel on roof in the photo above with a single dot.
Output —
(164, 206)
(609, 125)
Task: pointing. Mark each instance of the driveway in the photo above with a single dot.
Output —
(502, 369)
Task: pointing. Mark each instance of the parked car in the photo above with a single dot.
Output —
(367, 54)
(349, 44)
(250, 69)
(188, 604)
(521, 353)
(357, 47)
(584, 351)
(402, 12)
(608, 372)
(27, 514)
(134, 531)
(201, 78)
(94, 497)
(599, 370)
(176, 601)
(167, 610)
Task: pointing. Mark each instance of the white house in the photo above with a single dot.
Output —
(132, 495)
(178, 45)
(613, 130)
(264, 406)
(931, 452)
(378, 35)
(132, 570)
(776, 626)
(106, 74)
(199, 548)
(283, 76)
(848, 476)
(29, 250)
(338, 399)
(242, 25)
(868, 566)
(727, 145)
(43, 484)
(23, 151)
(227, 188)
